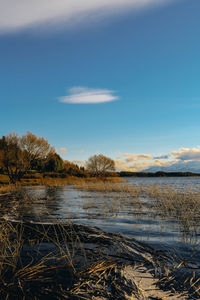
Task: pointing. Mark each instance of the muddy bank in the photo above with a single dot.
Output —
(70, 261)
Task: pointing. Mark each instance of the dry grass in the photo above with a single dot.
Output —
(165, 201)
(182, 205)
(24, 275)
(72, 180)
(38, 179)
(83, 263)
(112, 197)
(66, 272)
(108, 187)
(32, 276)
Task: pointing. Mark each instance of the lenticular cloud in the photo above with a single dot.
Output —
(20, 14)
(83, 95)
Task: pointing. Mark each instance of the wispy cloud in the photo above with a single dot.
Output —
(130, 157)
(19, 14)
(84, 95)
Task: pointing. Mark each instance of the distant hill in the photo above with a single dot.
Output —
(191, 166)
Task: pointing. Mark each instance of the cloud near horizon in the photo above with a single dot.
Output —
(140, 162)
(137, 166)
(22, 14)
(85, 95)
(186, 154)
(134, 162)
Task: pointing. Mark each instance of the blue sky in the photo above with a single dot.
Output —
(115, 77)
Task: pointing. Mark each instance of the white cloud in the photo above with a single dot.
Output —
(139, 165)
(84, 95)
(130, 157)
(184, 159)
(19, 14)
(138, 162)
(186, 154)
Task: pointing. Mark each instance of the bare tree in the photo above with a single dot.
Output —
(13, 160)
(36, 148)
(100, 164)
(17, 154)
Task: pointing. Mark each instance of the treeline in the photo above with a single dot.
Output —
(157, 174)
(26, 154)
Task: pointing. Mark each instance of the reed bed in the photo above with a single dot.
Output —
(113, 198)
(72, 180)
(181, 205)
(34, 179)
(108, 187)
(27, 272)
(164, 201)
(52, 261)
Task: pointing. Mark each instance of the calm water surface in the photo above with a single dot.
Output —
(97, 209)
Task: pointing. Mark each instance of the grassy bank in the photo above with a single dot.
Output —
(54, 179)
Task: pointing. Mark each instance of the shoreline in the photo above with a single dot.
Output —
(95, 265)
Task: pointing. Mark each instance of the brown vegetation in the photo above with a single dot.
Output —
(99, 165)
(39, 261)
(19, 154)
(81, 259)
(182, 205)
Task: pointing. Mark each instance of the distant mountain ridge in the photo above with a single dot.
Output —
(191, 166)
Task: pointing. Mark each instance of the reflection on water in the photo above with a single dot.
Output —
(111, 212)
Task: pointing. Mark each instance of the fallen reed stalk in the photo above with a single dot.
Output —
(68, 261)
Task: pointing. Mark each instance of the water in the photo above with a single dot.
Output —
(97, 209)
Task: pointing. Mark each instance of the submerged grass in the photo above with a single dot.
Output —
(106, 186)
(181, 205)
(112, 197)
(164, 201)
